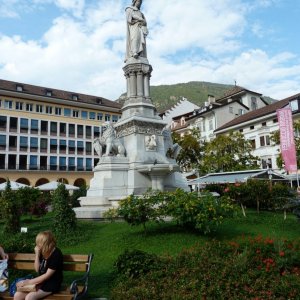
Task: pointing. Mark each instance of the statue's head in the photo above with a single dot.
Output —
(137, 3)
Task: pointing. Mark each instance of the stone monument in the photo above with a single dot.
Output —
(139, 151)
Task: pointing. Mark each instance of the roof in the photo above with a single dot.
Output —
(252, 115)
(238, 176)
(56, 94)
(234, 91)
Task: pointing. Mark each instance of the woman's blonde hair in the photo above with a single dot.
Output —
(47, 242)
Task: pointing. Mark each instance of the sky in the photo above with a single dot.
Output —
(79, 45)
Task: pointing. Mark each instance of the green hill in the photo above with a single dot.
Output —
(165, 96)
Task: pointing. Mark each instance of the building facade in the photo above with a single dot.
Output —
(47, 134)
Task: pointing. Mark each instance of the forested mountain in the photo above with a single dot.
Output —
(164, 96)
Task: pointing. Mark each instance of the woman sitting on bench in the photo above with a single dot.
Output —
(49, 265)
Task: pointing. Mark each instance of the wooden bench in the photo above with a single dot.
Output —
(73, 263)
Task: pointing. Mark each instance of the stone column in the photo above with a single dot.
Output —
(132, 83)
(140, 84)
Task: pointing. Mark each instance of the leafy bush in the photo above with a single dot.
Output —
(11, 212)
(64, 217)
(19, 242)
(204, 213)
(256, 268)
(77, 194)
(135, 263)
(139, 210)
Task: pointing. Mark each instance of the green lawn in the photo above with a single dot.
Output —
(108, 240)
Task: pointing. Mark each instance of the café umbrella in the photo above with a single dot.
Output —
(13, 185)
(53, 185)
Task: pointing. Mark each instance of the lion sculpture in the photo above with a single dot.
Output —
(110, 141)
(172, 150)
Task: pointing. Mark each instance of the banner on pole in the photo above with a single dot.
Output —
(287, 143)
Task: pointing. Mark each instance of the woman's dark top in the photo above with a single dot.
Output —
(53, 262)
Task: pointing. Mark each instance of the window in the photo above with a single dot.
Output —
(23, 162)
(88, 147)
(107, 117)
(44, 127)
(253, 103)
(19, 88)
(71, 163)
(2, 140)
(80, 164)
(99, 116)
(74, 97)
(241, 130)
(67, 112)
(84, 114)
(12, 162)
(62, 163)
(2, 161)
(33, 143)
(29, 107)
(19, 105)
(43, 162)
(275, 120)
(63, 129)
(12, 142)
(92, 115)
(62, 145)
(264, 141)
(96, 132)
(53, 162)
(80, 145)
(231, 109)
(79, 130)
(39, 108)
(58, 111)
(115, 119)
(34, 126)
(24, 124)
(44, 145)
(8, 104)
(72, 130)
(75, 113)
(53, 145)
(266, 163)
(88, 132)
(13, 124)
(48, 93)
(241, 111)
(49, 110)
(88, 164)
(33, 162)
(294, 105)
(264, 124)
(23, 143)
(53, 128)
(252, 127)
(71, 147)
(253, 144)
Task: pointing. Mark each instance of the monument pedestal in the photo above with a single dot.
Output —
(142, 133)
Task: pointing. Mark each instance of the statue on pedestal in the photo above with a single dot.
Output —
(136, 31)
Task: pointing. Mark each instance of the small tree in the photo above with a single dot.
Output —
(10, 210)
(64, 216)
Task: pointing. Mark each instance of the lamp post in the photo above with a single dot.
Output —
(270, 178)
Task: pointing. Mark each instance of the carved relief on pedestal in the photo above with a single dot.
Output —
(139, 127)
(151, 142)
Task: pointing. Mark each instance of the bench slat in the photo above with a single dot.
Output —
(31, 257)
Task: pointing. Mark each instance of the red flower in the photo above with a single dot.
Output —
(281, 253)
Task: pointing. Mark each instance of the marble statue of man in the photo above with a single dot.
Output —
(136, 31)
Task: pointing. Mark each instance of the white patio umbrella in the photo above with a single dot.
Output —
(13, 184)
(53, 185)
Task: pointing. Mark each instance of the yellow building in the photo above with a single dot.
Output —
(47, 134)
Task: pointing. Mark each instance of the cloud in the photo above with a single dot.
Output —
(83, 50)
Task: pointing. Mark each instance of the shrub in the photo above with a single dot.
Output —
(64, 217)
(135, 263)
(10, 208)
(77, 194)
(256, 268)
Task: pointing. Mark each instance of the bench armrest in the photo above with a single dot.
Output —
(83, 280)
